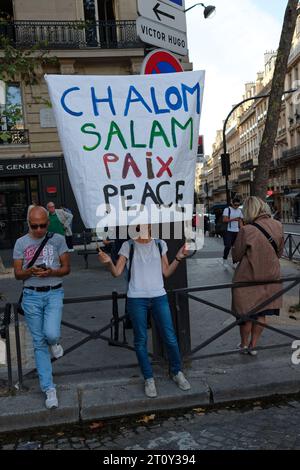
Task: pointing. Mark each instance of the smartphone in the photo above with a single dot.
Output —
(42, 266)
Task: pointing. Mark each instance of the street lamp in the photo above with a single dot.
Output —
(209, 11)
(225, 156)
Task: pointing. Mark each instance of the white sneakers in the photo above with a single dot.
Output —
(150, 389)
(247, 350)
(225, 263)
(57, 350)
(51, 399)
(181, 381)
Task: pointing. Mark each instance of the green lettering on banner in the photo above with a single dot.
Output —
(85, 131)
(115, 130)
(183, 127)
(132, 136)
(158, 133)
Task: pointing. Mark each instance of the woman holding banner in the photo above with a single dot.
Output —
(147, 263)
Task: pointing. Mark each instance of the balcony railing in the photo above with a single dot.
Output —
(15, 137)
(72, 34)
(291, 154)
(245, 176)
(247, 165)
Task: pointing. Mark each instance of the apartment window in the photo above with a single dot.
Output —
(102, 14)
(11, 113)
(7, 9)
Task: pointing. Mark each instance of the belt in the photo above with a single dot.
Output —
(43, 288)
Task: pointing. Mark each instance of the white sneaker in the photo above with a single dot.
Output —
(57, 350)
(225, 263)
(150, 389)
(234, 265)
(51, 400)
(242, 349)
(252, 352)
(181, 381)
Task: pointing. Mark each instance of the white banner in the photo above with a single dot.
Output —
(130, 144)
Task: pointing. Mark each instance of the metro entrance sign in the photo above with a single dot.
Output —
(162, 13)
(161, 36)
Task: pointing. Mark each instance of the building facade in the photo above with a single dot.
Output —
(244, 133)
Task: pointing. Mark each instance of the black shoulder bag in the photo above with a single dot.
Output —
(268, 236)
(31, 263)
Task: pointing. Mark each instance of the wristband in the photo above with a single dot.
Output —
(178, 260)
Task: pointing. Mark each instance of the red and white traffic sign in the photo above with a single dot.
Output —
(160, 61)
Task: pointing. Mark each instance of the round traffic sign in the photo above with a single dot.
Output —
(160, 61)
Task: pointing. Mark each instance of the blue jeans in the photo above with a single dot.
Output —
(137, 310)
(43, 312)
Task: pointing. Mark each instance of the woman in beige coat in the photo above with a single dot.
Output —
(258, 261)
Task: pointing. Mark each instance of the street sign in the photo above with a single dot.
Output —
(179, 4)
(162, 13)
(160, 61)
(161, 36)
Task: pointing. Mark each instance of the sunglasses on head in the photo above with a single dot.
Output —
(36, 226)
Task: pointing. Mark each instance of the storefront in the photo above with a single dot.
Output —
(27, 181)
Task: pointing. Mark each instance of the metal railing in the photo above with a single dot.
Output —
(72, 34)
(14, 137)
(238, 319)
(292, 246)
(11, 311)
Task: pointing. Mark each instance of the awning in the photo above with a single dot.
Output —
(293, 194)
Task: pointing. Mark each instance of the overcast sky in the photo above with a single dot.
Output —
(230, 48)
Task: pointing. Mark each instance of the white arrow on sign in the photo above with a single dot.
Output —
(161, 36)
(164, 14)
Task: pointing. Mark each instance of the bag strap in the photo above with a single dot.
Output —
(131, 252)
(267, 235)
(39, 250)
(158, 244)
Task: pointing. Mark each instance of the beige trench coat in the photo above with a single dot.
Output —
(257, 262)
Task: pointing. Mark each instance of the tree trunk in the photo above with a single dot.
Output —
(261, 177)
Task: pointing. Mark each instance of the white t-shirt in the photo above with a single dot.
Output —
(234, 213)
(146, 278)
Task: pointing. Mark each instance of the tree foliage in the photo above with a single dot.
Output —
(19, 65)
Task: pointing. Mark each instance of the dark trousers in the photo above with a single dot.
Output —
(229, 239)
(69, 241)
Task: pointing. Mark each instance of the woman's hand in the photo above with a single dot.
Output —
(103, 257)
(182, 252)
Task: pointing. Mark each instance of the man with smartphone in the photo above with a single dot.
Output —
(233, 217)
(43, 293)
